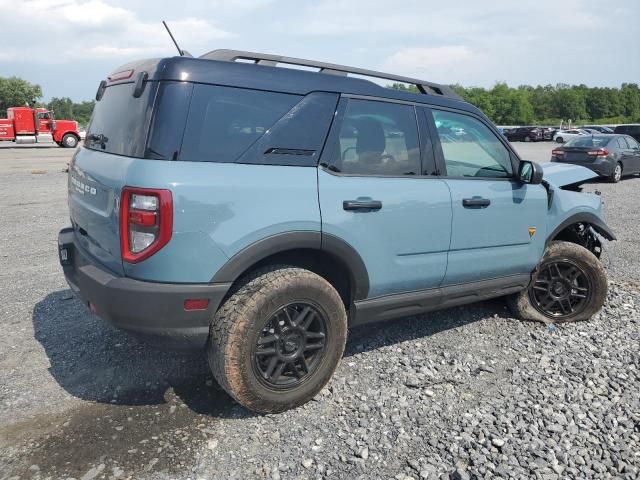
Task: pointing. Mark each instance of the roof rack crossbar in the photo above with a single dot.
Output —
(424, 87)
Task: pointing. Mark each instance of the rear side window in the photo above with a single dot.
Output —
(169, 118)
(470, 148)
(120, 121)
(298, 137)
(223, 122)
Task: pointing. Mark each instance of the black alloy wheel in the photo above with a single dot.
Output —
(290, 346)
(561, 289)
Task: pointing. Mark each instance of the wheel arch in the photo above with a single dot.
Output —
(327, 255)
(575, 229)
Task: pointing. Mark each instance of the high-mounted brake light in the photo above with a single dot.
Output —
(601, 152)
(123, 75)
(146, 222)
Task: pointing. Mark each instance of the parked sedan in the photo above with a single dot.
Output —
(611, 156)
(565, 135)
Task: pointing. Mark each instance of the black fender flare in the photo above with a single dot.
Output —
(585, 217)
(297, 240)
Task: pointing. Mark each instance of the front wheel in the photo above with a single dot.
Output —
(275, 342)
(559, 140)
(569, 284)
(69, 141)
(527, 138)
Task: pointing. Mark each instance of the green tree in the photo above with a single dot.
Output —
(570, 103)
(65, 108)
(16, 92)
(82, 111)
(62, 107)
(630, 100)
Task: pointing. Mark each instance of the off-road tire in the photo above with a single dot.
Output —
(238, 323)
(522, 306)
(69, 141)
(614, 177)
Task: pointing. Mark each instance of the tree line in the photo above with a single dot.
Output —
(548, 105)
(523, 105)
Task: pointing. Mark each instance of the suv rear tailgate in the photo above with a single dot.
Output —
(95, 182)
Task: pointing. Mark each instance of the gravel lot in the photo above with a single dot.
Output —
(462, 393)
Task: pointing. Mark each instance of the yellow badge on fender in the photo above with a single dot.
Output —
(532, 231)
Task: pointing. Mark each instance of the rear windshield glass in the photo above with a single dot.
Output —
(120, 121)
(593, 141)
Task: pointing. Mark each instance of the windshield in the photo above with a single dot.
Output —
(120, 121)
(592, 141)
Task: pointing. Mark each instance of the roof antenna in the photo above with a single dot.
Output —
(180, 51)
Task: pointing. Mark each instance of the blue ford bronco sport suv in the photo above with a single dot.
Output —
(230, 202)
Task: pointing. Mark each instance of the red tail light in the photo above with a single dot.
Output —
(601, 152)
(557, 153)
(146, 222)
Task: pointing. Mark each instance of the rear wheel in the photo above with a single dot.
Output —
(527, 138)
(277, 340)
(69, 140)
(570, 284)
(560, 140)
(616, 175)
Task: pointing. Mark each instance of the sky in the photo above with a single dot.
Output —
(68, 46)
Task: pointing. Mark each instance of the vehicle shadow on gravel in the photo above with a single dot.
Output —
(94, 361)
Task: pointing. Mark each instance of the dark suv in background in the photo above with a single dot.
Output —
(525, 134)
(632, 130)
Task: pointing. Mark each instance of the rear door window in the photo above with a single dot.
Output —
(223, 122)
(377, 138)
(120, 121)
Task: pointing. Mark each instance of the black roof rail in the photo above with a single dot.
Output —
(425, 87)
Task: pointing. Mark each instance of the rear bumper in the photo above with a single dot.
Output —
(153, 310)
(601, 166)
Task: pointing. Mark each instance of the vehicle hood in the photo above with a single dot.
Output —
(66, 125)
(563, 175)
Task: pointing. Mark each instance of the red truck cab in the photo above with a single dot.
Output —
(29, 125)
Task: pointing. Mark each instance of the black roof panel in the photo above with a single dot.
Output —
(279, 79)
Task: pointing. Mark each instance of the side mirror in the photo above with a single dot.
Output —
(530, 172)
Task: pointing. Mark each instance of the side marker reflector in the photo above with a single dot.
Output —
(196, 304)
